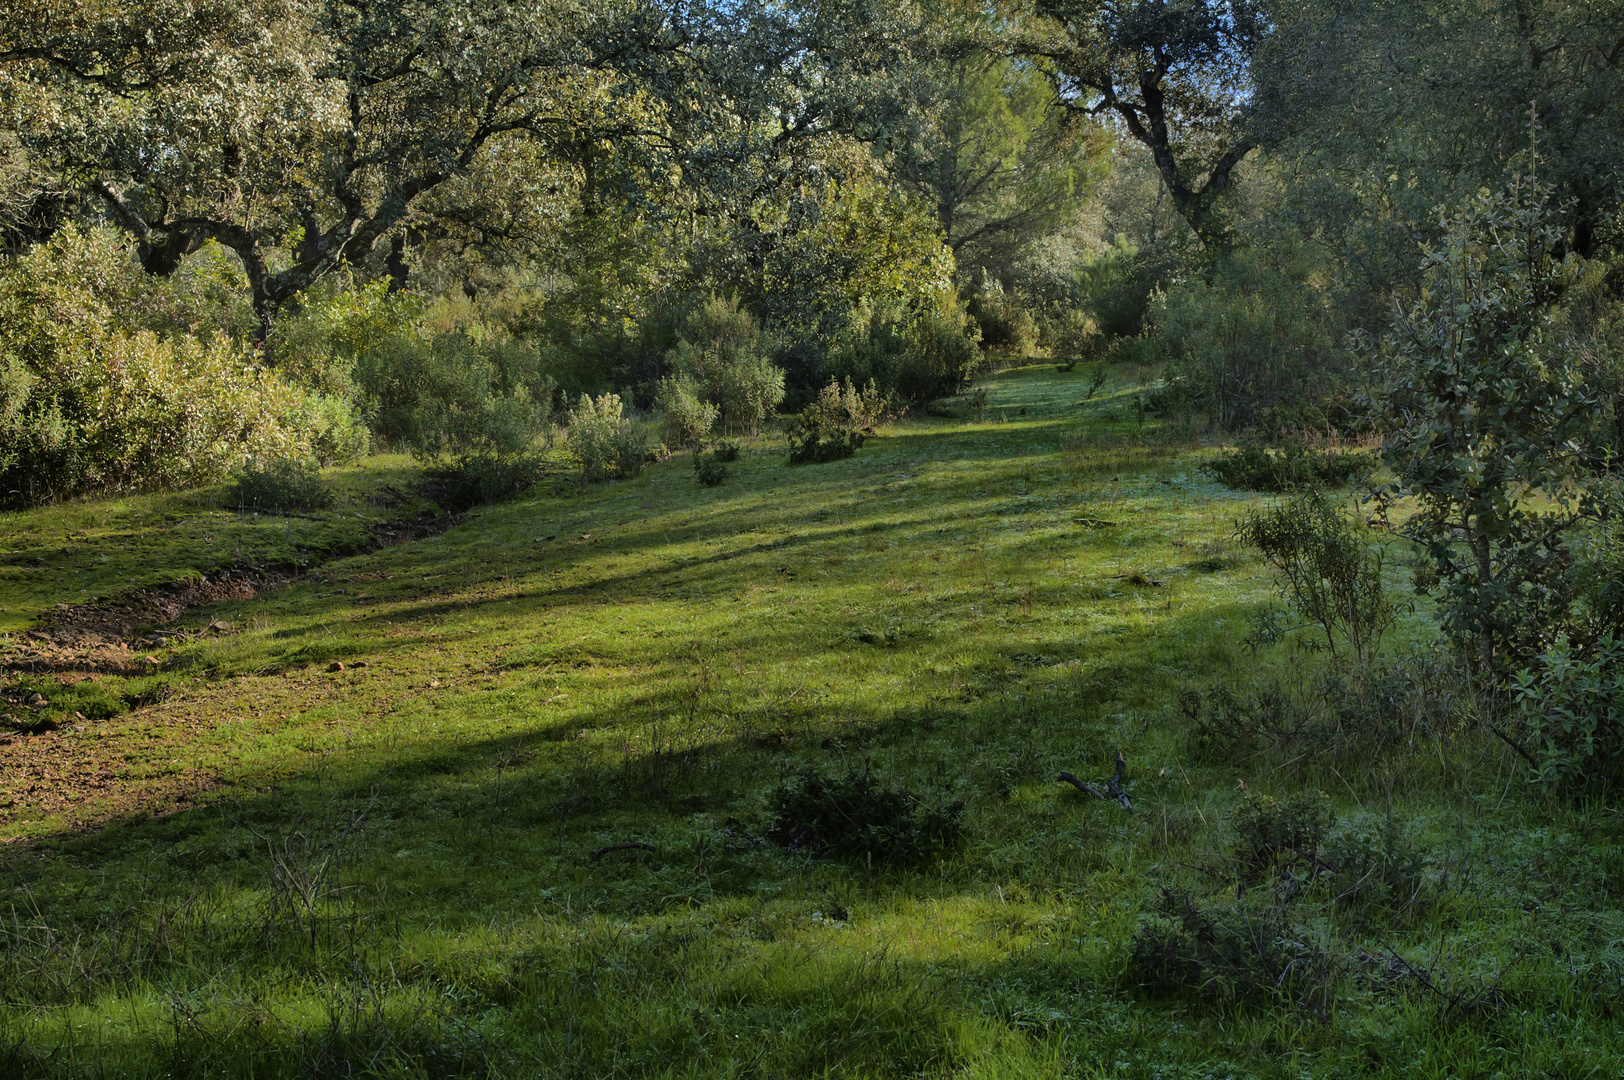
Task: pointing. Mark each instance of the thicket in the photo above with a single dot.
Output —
(105, 386)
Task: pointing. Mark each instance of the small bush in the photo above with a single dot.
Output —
(1328, 570)
(607, 444)
(1571, 711)
(1376, 867)
(726, 451)
(688, 417)
(286, 484)
(477, 478)
(709, 470)
(1291, 467)
(1274, 837)
(851, 815)
(1243, 951)
(836, 423)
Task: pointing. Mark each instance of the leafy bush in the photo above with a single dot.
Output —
(1253, 344)
(1004, 318)
(479, 478)
(851, 815)
(688, 416)
(915, 356)
(835, 425)
(85, 406)
(1485, 397)
(1243, 951)
(1272, 836)
(607, 444)
(1571, 708)
(1252, 466)
(1375, 865)
(279, 485)
(709, 469)
(723, 358)
(456, 393)
(1328, 569)
(726, 451)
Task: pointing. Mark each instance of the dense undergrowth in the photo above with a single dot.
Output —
(758, 779)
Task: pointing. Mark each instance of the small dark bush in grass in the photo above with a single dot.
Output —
(1241, 951)
(709, 470)
(1255, 467)
(812, 448)
(726, 451)
(479, 479)
(851, 815)
(1274, 838)
(1376, 868)
(287, 484)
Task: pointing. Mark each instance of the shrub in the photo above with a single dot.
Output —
(279, 485)
(1486, 398)
(1376, 866)
(1004, 318)
(726, 451)
(84, 407)
(709, 470)
(1244, 951)
(479, 478)
(913, 355)
(1252, 466)
(1571, 708)
(1253, 344)
(851, 815)
(456, 393)
(607, 444)
(836, 423)
(1327, 568)
(688, 416)
(724, 356)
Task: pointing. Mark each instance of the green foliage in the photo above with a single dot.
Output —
(607, 444)
(1240, 952)
(851, 816)
(1252, 344)
(1571, 708)
(1328, 568)
(1376, 866)
(835, 424)
(1007, 325)
(723, 359)
(709, 469)
(917, 356)
(470, 478)
(1290, 466)
(688, 416)
(1484, 402)
(470, 390)
(1271, 835)
(87, 405)
(726, 451)
(287, 484)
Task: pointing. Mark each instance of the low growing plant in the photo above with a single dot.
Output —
(282, 484)
(852, 815)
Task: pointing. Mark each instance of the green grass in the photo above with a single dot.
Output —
(281, 870)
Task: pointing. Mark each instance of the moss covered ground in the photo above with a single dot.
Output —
(524, 831)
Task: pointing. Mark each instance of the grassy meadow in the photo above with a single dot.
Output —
(524, 830)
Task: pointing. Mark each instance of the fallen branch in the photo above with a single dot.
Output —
(627, 846)
(1114, 789)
